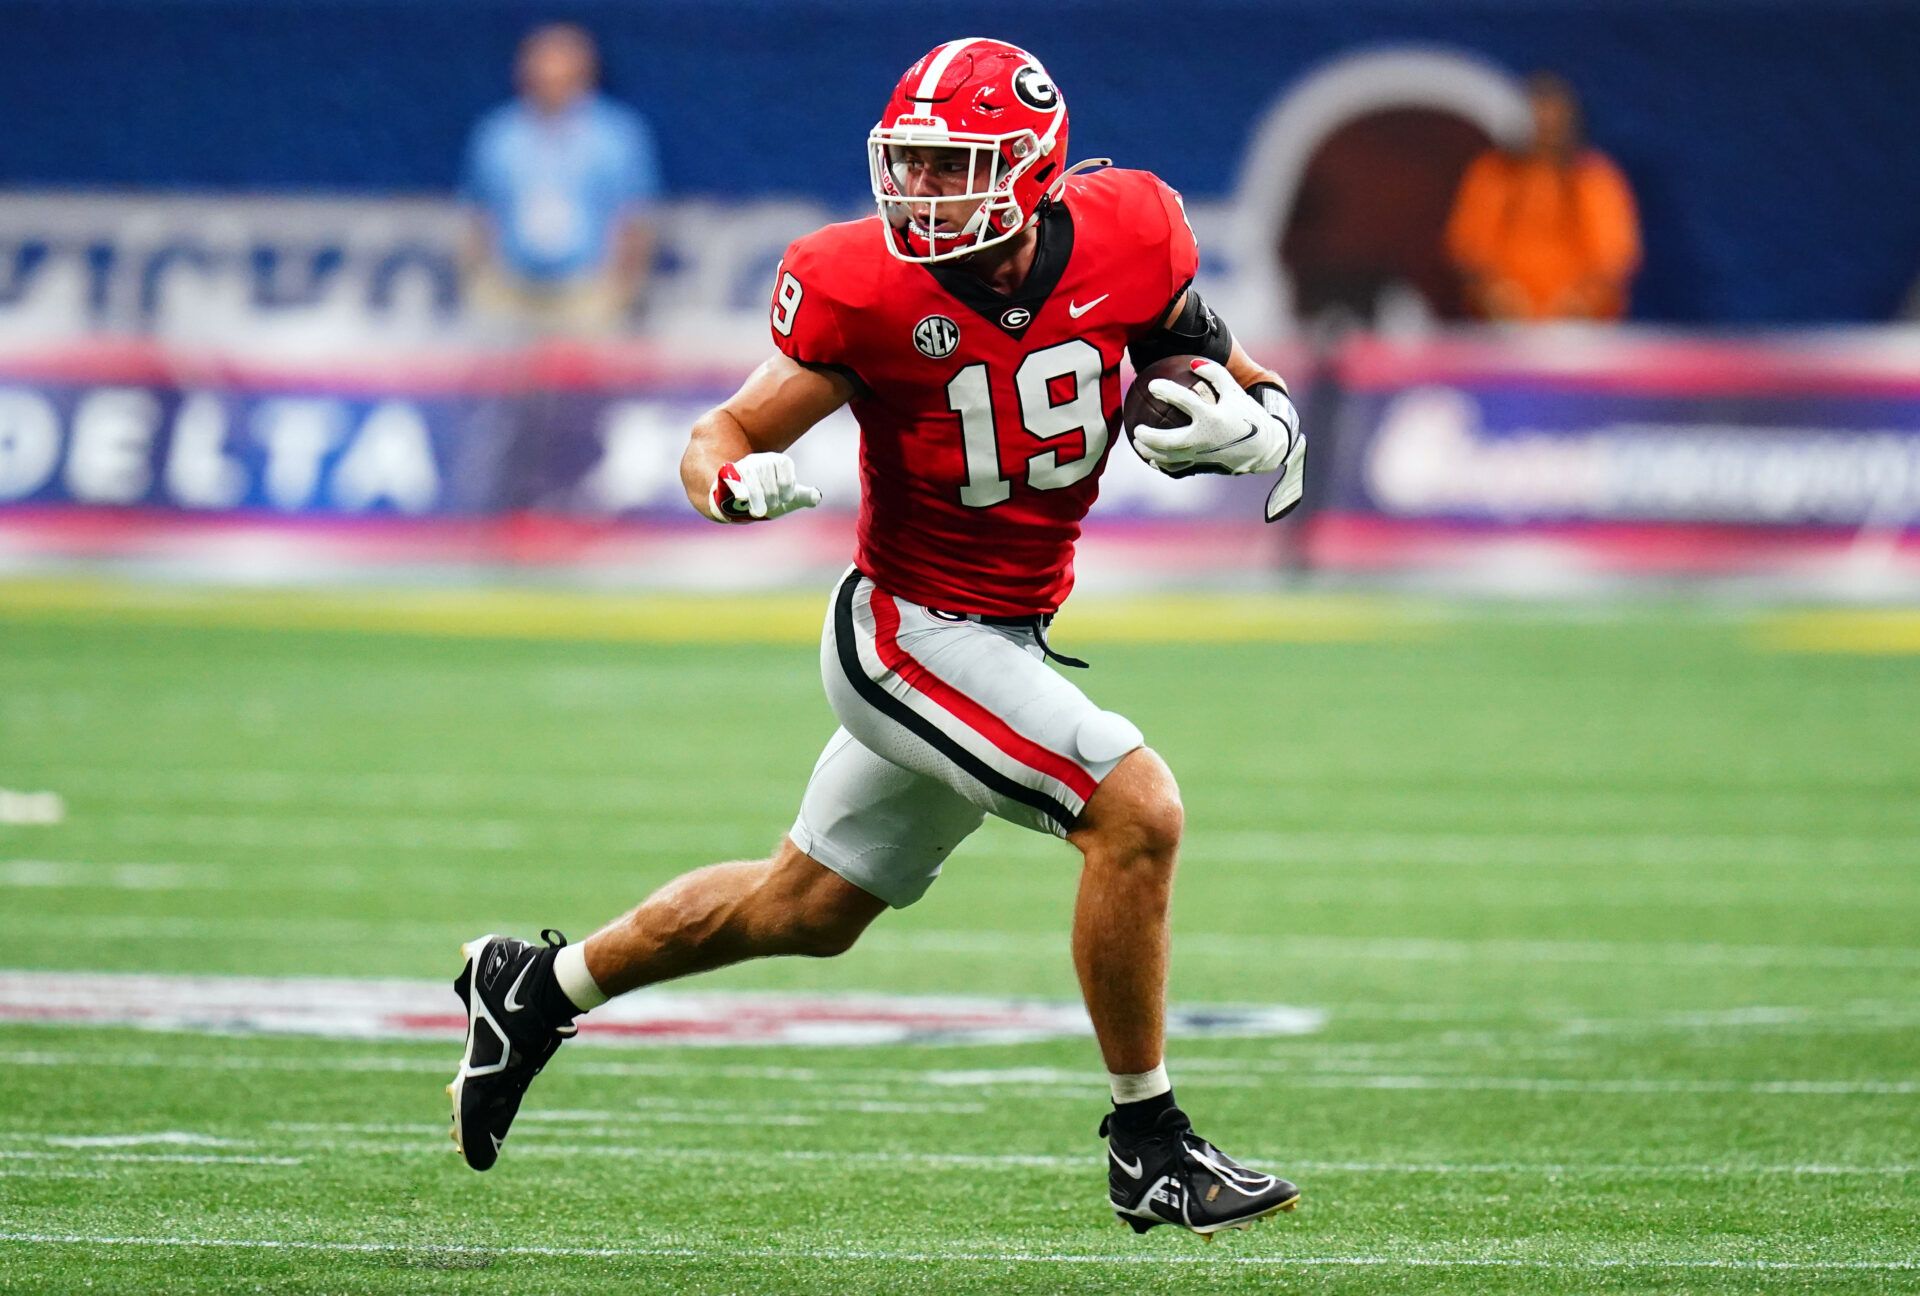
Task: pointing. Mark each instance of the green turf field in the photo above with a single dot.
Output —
(1615, 916)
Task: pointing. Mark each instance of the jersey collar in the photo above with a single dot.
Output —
(1013, 313)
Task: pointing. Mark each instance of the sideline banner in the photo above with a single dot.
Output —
(556, 453)
(1546, 453)
(1626, 450)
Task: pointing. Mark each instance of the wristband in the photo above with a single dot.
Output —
(724, 505)
(1266, 392)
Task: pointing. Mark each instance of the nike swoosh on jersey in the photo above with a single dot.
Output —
(1076, 310)
(512, 1002)
(1135, 1169)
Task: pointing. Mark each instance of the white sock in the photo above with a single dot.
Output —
(1131, 1088)
(576, 983)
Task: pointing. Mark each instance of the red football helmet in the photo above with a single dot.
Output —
(979, 115)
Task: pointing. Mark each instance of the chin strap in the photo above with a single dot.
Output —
(1059, 187)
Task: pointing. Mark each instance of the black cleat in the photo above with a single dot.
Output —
(1172, 1176)
(508, 1040)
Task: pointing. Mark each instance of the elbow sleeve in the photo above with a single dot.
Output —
(1196, 331)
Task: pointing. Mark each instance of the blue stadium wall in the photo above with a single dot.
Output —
(1771, 144)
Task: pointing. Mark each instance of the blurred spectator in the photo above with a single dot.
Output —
(560, 180)
(1549, 232)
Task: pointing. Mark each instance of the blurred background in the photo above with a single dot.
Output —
(1577, 296)
(1549, 757)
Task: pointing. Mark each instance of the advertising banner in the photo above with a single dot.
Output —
(214, 449)
(1535, 456)
(556, 453)
(1631, 451)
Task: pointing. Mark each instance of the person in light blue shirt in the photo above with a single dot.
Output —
(561, 181)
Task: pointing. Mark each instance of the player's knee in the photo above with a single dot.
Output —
(822, 914)
(1161, 823)
(1136, 813)
(1152, 832)
(825, 929)
(826, 939)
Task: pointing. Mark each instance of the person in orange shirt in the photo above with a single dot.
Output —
(1548, 233)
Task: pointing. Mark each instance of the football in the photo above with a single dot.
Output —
(1143, 409)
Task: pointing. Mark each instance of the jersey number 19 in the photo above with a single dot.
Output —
(970, 396)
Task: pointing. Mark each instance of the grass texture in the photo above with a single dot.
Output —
(1613, 915)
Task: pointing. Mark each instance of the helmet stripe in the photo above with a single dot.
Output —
(937, 69)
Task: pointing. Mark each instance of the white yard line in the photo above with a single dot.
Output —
(157, 1158)
(453, 832)
(1626, 954)
(170, 1138)
(1571, 847)
(628, 1122)
(172, 1062)
(1189, 945)
(1856, 1015)
(642, 1108)
(97, 875)
(838, 1254)
(545, 790)
(398, 789)
(1546, 892)
(1549, 1169)
(199, 928)
(403, 827)
(1259, 1076)
(68, 874)
(428, 1139)
(317, 832)
(1013, 1077)
(54, 1172)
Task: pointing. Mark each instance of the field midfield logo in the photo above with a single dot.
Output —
(426, 1010)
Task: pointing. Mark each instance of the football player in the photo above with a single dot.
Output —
(976, 326)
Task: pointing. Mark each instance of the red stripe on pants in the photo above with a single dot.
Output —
(886, 627)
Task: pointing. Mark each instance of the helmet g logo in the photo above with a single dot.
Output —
(1035, 88)
(936, 337)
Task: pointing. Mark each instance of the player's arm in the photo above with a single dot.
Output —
(1246, 371)
(735, 468)
(1250, 425)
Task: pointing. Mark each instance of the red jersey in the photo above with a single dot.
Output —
(986, 418)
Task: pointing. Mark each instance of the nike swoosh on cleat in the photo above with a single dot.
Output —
(1076, 310)
(1135, 1169)
(512, 1002)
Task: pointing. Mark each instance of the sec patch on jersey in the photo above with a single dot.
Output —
(936, 337)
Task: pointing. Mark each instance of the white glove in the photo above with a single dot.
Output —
(760, 485)
(1233, 433)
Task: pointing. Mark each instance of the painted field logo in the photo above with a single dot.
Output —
(343, 1009)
